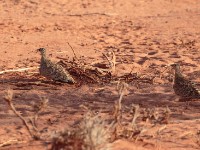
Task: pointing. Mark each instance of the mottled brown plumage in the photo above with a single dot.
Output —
(182, 86)
(53, 71)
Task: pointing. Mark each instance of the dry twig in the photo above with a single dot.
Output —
(136, 114)
(9, 142)
(8, 98)
(72, 51)
(38, 108)
(18, 70)
(121, 88)
(112, 62)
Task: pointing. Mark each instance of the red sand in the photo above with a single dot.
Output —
(145, 35)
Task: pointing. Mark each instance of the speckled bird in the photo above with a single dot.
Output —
(183, 87)
(52, 70)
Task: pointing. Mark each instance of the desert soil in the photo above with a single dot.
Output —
(145, 36)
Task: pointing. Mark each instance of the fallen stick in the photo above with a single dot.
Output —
(9, 142)
(94, 13)
(18, 70)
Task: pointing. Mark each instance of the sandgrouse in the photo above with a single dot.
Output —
(53, 71)
(182, 86)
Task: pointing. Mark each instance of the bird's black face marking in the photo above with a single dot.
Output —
(41, 49)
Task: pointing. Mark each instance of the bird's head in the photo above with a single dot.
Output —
(42, 51)
(175, 66)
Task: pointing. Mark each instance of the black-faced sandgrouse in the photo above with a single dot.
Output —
(183, 87)
(52, 70)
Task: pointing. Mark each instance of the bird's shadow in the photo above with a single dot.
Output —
(187, 99)
(28, 81)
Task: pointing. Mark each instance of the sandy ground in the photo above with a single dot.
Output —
(145, 35)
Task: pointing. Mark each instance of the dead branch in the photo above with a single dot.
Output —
(135, 115)
(100, 70)
(8, 98)
(9, 142)
(82, 73)
(18, 70)
(72, 51)
(100, 73)
(122, 88)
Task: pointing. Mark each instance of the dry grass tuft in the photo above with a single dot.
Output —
(95, 133)
(132, 130)
(91, 135)
(68, 140)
